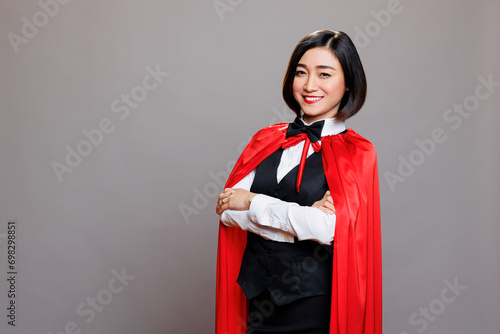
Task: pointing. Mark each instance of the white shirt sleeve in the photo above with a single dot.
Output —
(304, 222)
(278, 220)
(240, 218)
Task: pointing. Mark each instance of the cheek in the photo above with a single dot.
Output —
(297, 89)
(335, 88)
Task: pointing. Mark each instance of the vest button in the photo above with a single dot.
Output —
(277, 192)
(268, 272)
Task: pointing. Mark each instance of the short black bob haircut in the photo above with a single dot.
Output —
(354, 75)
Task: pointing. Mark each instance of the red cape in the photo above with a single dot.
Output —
(350, 165)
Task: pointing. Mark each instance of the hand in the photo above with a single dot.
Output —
(234, 199)
(325, 204)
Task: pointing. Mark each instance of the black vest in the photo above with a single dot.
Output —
(288, 270)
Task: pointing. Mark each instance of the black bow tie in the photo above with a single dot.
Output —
(298, 132)
(313, 131)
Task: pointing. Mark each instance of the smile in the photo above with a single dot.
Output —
(312, 99)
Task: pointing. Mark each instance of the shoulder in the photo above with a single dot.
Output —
(272, 132)
(262, 144)
(270, 136)
(356, 139)
(272, 129)
(352, 142)
(350, 137)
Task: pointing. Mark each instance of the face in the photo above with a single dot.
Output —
(318, 85)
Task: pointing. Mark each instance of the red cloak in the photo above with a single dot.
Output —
(350, 166)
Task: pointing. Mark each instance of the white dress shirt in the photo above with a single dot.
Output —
(278, 220)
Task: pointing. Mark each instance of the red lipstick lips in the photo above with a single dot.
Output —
(309, 99)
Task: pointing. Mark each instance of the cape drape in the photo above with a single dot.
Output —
(351, 171)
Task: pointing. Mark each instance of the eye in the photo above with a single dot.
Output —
(299, 73)
(324, 75)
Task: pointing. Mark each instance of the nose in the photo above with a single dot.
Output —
(310, 84)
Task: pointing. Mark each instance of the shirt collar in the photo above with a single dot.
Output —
(331, 126)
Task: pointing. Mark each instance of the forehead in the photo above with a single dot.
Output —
(319, 56)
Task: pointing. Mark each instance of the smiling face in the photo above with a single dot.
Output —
(318, 85)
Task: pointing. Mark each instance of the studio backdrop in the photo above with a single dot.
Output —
(120, 122)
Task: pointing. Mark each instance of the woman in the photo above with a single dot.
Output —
(295, 189)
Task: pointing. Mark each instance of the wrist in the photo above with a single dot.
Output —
(250, 198)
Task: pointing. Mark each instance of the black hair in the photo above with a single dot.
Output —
(354, 75)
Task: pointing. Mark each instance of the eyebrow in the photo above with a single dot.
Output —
(319, 66)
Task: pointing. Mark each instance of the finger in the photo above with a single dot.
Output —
(223, 199)
(220, 202)
(326, 210)
(226, 194)
(330, 206)
(223, 207)
(220, 208)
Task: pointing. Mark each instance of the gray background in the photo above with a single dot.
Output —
(121, 208)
